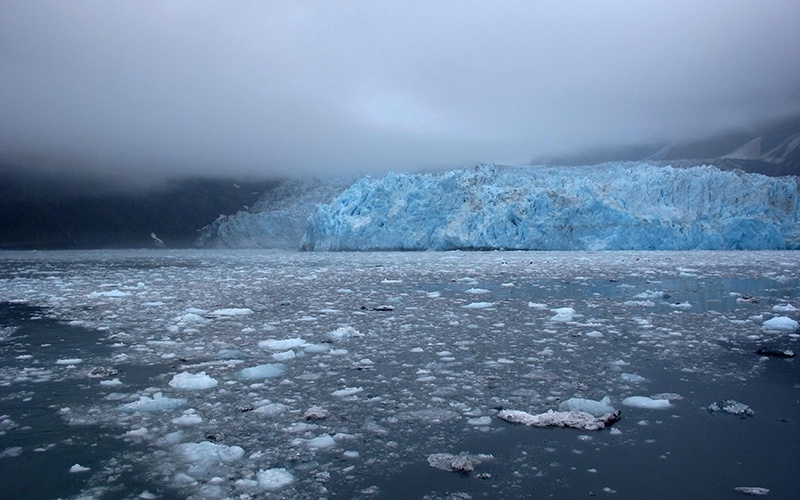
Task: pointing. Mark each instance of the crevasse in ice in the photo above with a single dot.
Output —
(614, 206)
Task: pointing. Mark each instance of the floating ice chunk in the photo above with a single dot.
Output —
(228, 312)
(632, 378)
(463, 462)
(752, 490)
(111, 383)
(781, 323)
(562, 314)
(574, 419)
(157, 403)
(649, 294)
(344, 332)
(271, 409)
(647, 403)
(193, 381)
(321, 442)
(113, 294)
(188, 419)
(78, 468)
(274, 479)
(479, 305)
(205, 454)
(347, 391)
(317, 348)
(262, 371)
(594, 334)
(476, 291)
(69, 361)
(433, 295)
(784, 308)
(590, 406)
(282, 345)
(480, 421)
(284, 355)
(191, 318)
(639, 303)
(537, 305)
(731, 407)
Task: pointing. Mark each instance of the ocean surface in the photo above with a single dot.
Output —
(267, 374)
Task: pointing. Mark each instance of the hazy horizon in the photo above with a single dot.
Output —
(141, 90)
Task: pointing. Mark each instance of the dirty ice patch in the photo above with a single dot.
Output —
(646, 403)
(193, 381)
(282, 345)
(262, 371)
(157, 403)
(781, 323)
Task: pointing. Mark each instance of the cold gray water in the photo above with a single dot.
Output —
(243, 374)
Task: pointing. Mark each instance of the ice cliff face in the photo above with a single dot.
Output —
(605, 207)
(277, 220)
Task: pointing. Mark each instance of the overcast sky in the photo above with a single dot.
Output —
(279, 87)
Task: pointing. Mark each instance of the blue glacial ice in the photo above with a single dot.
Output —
(616, 206)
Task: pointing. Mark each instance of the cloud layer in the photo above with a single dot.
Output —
(282, 87)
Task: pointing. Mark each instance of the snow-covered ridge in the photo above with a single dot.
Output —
(615, 206)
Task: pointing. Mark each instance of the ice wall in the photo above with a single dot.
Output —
(605, 207)
(277, 220)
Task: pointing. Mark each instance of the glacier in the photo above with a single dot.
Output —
(614, 206)
(277, 219)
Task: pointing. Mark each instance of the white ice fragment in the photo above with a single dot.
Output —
(479, 305)
(321, 442)
(157, 403)
(590, 406)
(274, 479)
(284, 355)
(191, 318)
(113, 294)
(476, 291)
(344, 332)
(480, 421)
(537, 305)
(784, 308)
(752, 490)
(562, 314)
(188, 419)
(262, 371)
(347, 391)
(646, 403)
(649, 294)
(632, 378)
(229, 312)
(433, 295)
(78, 468)
(594, 334)
(781, 323)
(69, 361)
(205, 453)
(282, 345)
(193, 381)
(639, 303)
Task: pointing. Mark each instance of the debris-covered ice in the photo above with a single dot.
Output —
(550, 418)
(731, 407)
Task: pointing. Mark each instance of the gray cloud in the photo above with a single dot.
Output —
(179, 87)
